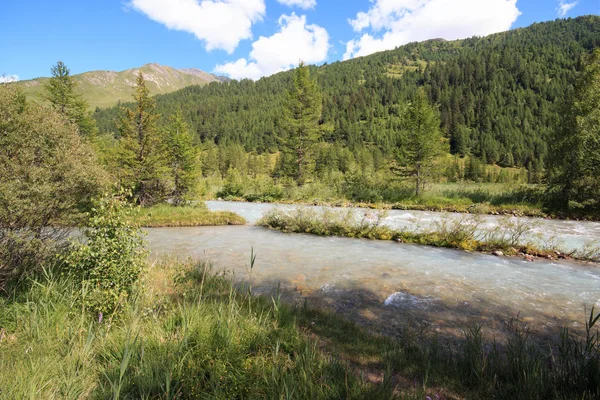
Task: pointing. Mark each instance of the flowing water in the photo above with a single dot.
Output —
(567, 235)
(383, 284)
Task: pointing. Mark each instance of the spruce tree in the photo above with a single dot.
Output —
(63, 98)
(574, 164)
(182, 159)
(422, 142)
(140, 158)
(301, 123)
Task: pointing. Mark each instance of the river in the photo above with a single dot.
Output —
(382, 285)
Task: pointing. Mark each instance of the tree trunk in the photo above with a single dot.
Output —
(418, 179)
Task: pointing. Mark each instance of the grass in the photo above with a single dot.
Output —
(479, 198)
(166, 215)
(189, 333)
(509, 237)
(489, 198)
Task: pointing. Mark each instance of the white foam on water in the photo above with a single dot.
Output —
(398, 299)
(326, 288)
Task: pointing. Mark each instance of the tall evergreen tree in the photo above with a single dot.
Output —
(301, 123)
(182, 158)
(422, 142)
(140, 160)
(62, 96)
(574, 165)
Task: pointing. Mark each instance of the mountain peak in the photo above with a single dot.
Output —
(107, 88)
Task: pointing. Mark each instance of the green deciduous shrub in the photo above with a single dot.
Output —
(109, 262)
(48, 173)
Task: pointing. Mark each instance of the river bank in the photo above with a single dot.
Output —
(505, 240)
(167, 215)
(190, 333)
(521, 210)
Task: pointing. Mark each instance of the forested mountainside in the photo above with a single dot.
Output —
(108, 88)
(499, 96)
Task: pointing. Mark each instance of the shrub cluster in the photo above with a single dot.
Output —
(109, 262)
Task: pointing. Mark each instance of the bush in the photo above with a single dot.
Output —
(234, 185)
(23, 254)
(109, 262)
(48, 174)
(263, 188)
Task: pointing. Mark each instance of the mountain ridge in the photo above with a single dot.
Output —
(105, 88)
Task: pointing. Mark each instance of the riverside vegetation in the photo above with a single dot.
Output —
(182, 330)
(166, 215)
(91, 318)
(509, 237)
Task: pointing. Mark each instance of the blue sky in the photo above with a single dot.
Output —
(243, 38)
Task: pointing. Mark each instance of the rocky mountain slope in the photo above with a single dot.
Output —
(107, 88)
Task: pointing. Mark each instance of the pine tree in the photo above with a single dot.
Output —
(301, 123)
(61, 95)
(422, 143)
(140, 159)
(183, 160)
(574, 165)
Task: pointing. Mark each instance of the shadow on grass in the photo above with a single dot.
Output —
(439, 349)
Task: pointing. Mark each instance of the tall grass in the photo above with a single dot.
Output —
(190, 334)
(197, 338)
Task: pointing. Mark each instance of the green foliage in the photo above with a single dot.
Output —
(496, 95)
(139, 161)
(497, 99)
(574, 172)
(233, 185)
(199, 338)
(167, 215)
(422, 142)
(183, 160)
(48, 176)
(62, 95)
(109, 262)
(301, 118)
(192, 334)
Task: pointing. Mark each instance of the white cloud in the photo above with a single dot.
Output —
(305, 4)
(221, 24)
(564, 7)
(8, 78)
(295, 41)
(393, 23)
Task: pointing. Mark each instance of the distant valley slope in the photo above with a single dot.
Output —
(107, 88)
